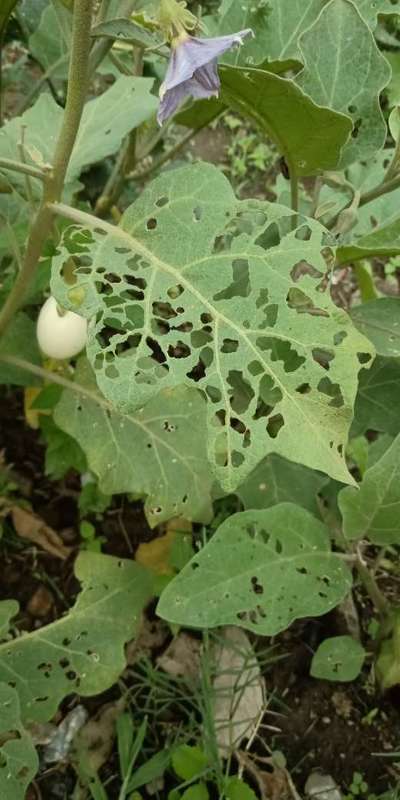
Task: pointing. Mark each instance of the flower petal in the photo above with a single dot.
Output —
(204, 84)
(192, 53)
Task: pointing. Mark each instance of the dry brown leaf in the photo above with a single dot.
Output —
(155, 555)
(151, 636)
(238, 690)
(96, 739)
(182, 657)
(41, 603)
(29, 526)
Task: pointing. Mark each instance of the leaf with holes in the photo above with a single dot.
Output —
(309, 136)
(370, 9)
(158, 451)
(344, 77)
(198, 288)
(338, 659)
(261, 570)
(377, 400)
(276, 480)
(373, 511)
(379, 320)
(83, 651)
(18, 760)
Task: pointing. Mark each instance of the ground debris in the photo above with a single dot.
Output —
(29, 526)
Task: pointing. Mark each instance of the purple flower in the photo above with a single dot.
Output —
(192, 70)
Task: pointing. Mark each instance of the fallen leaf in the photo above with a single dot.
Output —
(155, 555)
(182, 657)
(41, 603)
(94, 743)
(238, 690)
(60, 742)
(29, 526)
(151, 636)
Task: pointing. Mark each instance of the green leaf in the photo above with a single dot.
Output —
(126, 30)
(189, 762)
(338, 659)
(50, 42)
(387, 665)
(18, 759)
(379, 320)
(344, 77)
(197, 792)
(105, 122)
(261, 570)
(5, 12)
(159, 451)
(19, 341)
(276, 30)
(370, 9)
(276, 480)
(393, 88)
(83, 651)
(246, 324)
(236, 789)
(376, 405)
(373, 511)
(153, 768)
(200, 114)
(62, 452)
(309, 136)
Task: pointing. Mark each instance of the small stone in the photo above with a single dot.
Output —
(324, 787)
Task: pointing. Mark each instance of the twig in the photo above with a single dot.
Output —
(19, 166)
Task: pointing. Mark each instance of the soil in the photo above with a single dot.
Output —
(315, 724)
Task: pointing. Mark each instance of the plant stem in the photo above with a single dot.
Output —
(378, 191)
(371, 587)
(19, 166)
(54, 181)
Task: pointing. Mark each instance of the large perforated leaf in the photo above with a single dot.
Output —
(201, 289)
(82, 652)
(159, 451)
(18, 759)
(261, 570)
(346, 77)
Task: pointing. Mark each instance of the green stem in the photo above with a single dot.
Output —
(103, 46)
(19, 166)
(378, 191)
(372, 588)
(54, 181)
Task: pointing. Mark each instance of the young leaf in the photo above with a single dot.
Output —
(189, 762)
(198, 288)
(309, 136)
(197, 792)
(376, 405)
(373, 511)
(18, 760)
(84, 650)
(123, 29)
(277, 480)
(158, 451)
(344, 77)
(236, 789)
(338, 659)
(261, 570)
(379, 320)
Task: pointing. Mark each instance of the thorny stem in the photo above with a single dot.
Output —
(54, 181)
